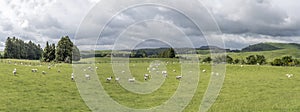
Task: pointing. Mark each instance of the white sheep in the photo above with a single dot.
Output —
(87, 76)
(49, 67)
(289, 75)
(174, 70)
(117, 79)
(96, 67)
(179, 77)
(108, 79)
(14, 72)
(203, 70)
(43, 72)
(242, 65)
(58, 70)
(131, 80)
(72, 77)
(123, 71)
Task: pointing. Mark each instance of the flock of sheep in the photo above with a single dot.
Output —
(146, 76)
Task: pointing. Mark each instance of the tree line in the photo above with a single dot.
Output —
(65, 51)
(18, 49)
(254, 60)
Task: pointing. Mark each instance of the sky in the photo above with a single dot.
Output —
(242, 22)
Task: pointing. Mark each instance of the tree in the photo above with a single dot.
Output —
(64, 50)
(276, 62)
(8, 51)
(251, 60)
(229, 59)
(287, 60)
(51, 54)
(236, 61)
(207, 60)
(260, 59)
(46, 53)
(169, 53)
(76, 54)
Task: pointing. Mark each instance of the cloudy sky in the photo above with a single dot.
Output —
(242, 22)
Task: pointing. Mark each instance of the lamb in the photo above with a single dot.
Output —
(146, 76)
(131, 80)
(87, 76)
(179, 77)
(43, 72)
(117, 79)
(108, 79)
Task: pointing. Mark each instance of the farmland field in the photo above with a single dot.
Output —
(247, 88)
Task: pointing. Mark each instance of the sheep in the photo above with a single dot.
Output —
(117, 79)
(58, 70)
(87, 76)
(174, 70)
(131, 80)
(84, 69)
(49, 67)
(164, 72)
(109, 79)
(179, 77)
(72, 76)
(33, 70)
(123, 71)
(242, 65)
(43, 72)
(14, 72)
(145, 78)
(289, 75)
(203, 71)
(96, 67)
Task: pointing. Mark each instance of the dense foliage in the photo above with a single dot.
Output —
(18, 49)
(256, 59)
(285, 61)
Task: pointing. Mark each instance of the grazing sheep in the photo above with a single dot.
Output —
(145, 78)
(72, 76)
(131, 80)
(203, 71)
(96, 67)
(117, 79)
(289, 75)
(87, 76)
(33, 70)
(179, 77)
(109, 79)
(242, 65)
(123, 71)
(58, 70)
(84, 69)
(14, 72)
(164, 72)
(174, 70)
(43, 72)
(49, 67)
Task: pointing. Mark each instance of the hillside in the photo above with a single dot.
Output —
(260, 47)
(273, 50)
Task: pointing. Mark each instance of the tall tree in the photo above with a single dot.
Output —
(8, 51)
(64, 50)
(46, 53)
(76, 53)
(52, 52)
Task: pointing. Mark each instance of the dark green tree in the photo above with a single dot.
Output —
(207, 60)
(237, 61)
(251, 60)
(276, 62)
(46, 52)
(76, 53)
(260, 59)
(64, 50)
(287, 60)
(8, 51)
(51, 54)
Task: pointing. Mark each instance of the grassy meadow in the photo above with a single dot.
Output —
(245, 89)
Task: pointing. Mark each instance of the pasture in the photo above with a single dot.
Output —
(247, 88)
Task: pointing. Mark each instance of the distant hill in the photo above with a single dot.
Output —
(260, 47)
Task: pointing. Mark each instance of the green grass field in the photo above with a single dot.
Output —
(245, 89)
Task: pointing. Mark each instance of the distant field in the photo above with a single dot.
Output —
(248, 88)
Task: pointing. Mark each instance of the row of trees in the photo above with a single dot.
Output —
(65, 51)
(18, 49)
(254, 59)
